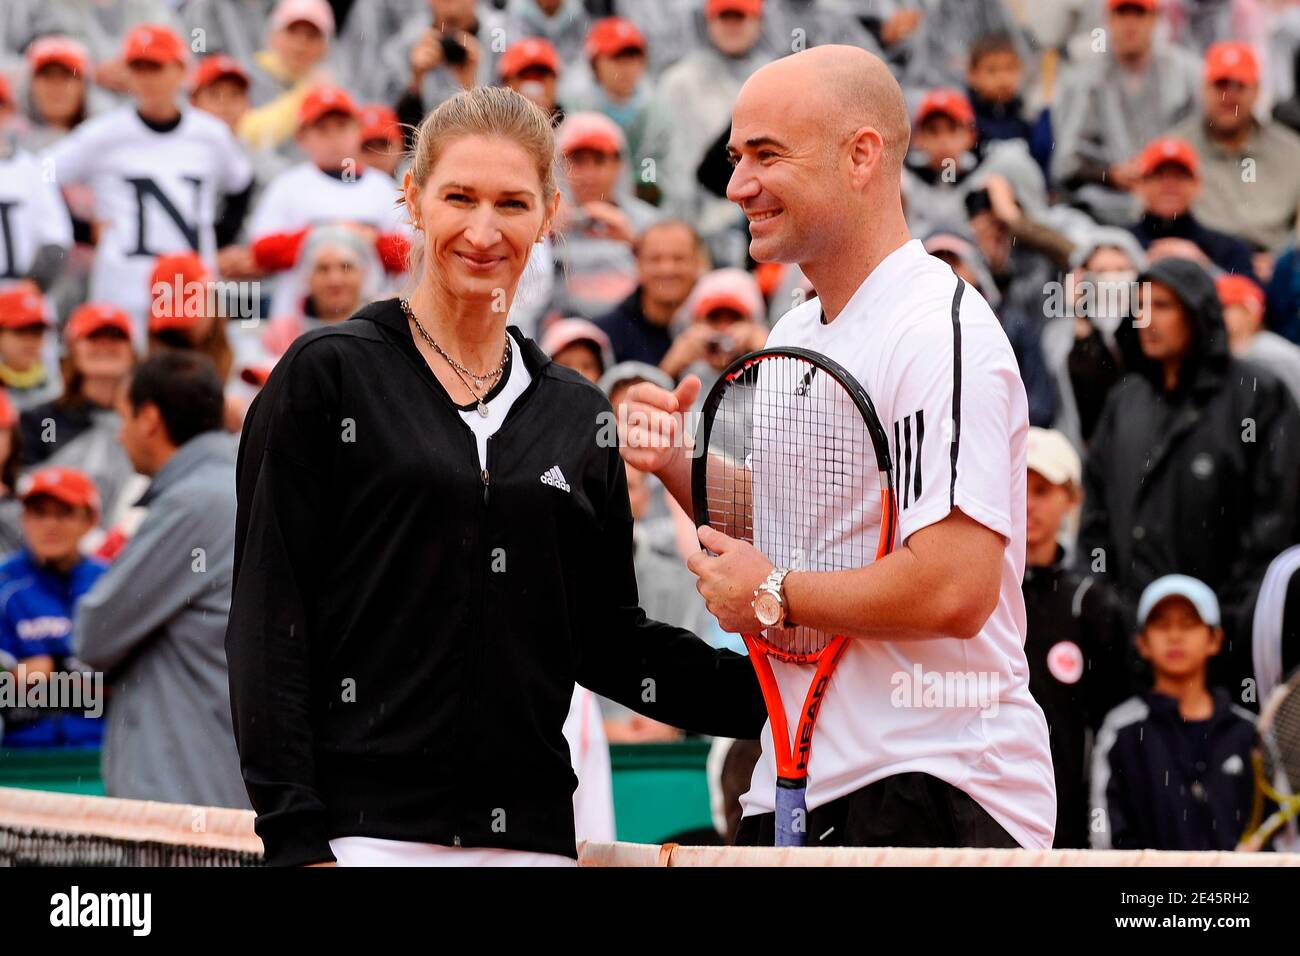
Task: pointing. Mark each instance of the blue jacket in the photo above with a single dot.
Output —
(1164, 784)
(36, 607)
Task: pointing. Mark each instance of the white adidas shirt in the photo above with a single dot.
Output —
(959, 710)
(155, 194)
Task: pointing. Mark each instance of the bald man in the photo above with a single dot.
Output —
(928, 735)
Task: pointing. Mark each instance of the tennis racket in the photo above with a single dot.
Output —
(791, 457)
(1277, 765)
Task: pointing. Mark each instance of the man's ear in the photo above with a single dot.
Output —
(866, 147)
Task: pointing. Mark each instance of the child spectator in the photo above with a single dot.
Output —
(1171, 769)
(616, 51)
(58, 91)
(157, 171)
(381, 139)
(23, 327)
(600, 220)
(531, 68)
(579, 345)
(298, 43)
(994, 81)
(1076, 634)
(434, 57)
(330, 187)
(39, 590)
(98, 358)
(220, 87)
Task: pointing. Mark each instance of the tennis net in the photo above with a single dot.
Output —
(40, 828)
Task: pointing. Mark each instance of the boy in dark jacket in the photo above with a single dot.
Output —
(1076, 635)
(1171, 770)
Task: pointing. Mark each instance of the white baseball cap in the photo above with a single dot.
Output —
(1179, 585)
(1052, 456)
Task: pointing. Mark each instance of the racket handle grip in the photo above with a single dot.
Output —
(791, 812)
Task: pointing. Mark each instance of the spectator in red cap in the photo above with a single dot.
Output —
(299, 34)
(1110, 103)
(97, 358)
(58, 89)
(220, 87)
(726, 313)
(1168, 182)
(599, 219)
(616, 52)
(562, 23)
(382, 143)
(946, 163)
(692, 108)
(1250, 167)
(1243, 314)
(40, 586)
(160, 172)
(531, 67)
(24, 323)
(183, 315)
(331, 186)
(454, 47)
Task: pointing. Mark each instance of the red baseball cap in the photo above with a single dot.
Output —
(612, 35)
(8, 414)
(1239, 290)
(90, 318)
(21, 307)
(6, 94)
(1168, 149)
(217, 67)
(1231, 61)
(1144, 4)
(64, 51)
(732, 289)
(154, 43)
(322, 101)
(950, 103)
(379, 122)
(255, 374)
(533, 51)
(68, 485)
(176, 273)
(716, 8)
(590, 131)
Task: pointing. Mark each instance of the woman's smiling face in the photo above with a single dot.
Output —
(481, 211)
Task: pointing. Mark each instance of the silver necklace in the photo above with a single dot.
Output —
(484, 382)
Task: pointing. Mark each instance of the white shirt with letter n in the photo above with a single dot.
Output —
(155, 194)
(945, 384)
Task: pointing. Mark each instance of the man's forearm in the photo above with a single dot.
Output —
(677, 479)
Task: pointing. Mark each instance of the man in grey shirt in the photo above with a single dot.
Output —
(156, 621)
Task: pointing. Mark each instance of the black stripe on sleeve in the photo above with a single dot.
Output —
(907, 461)
(956, 389)
(920, 436)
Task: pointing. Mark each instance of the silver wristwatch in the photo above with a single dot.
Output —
(769, 599)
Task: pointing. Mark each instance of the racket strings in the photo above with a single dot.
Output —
(792, 469)
(1280, 738)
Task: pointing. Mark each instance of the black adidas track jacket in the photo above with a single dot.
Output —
(406, 627)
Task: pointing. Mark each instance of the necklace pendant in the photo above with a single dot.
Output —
(482, 408)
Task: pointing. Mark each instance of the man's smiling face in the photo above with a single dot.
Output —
(784, 177)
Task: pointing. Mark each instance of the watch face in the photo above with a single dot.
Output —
(767, 608)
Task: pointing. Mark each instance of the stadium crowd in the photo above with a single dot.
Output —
(186, 186)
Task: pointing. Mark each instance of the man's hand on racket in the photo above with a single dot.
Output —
(728, 579)
(653, 433)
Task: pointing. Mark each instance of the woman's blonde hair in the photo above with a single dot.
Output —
(483, 111)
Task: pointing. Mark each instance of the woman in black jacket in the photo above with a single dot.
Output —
(434, 543)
